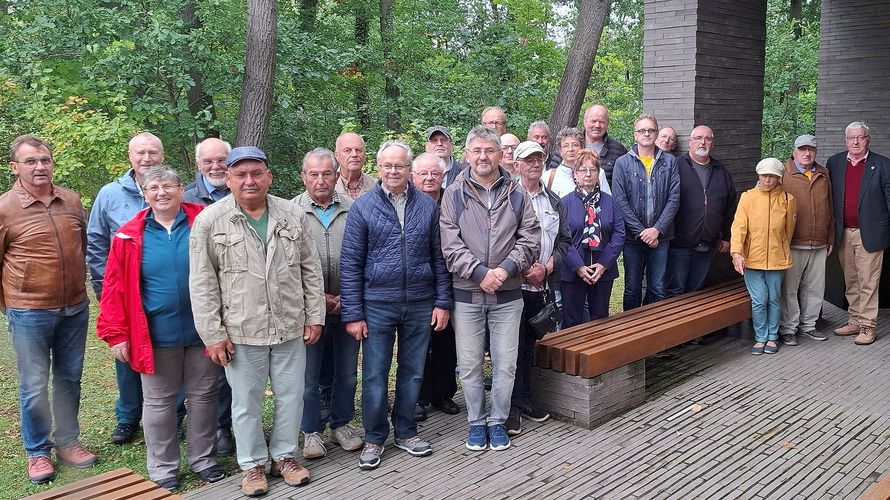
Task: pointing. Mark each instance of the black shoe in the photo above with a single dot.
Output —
(170, 484)
(815, 335)
(447, 405)
(535, 414)
(419, 413)
(788, 338)
(514, 422)
(123, 433)
(212, 474)
(224, 444)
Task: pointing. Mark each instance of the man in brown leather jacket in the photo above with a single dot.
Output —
(43, 275)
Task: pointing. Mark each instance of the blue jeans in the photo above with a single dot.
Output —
(639, 258)
(688, 270)
(765, 289)
(345, 350)
(384, 319)
(46, 339)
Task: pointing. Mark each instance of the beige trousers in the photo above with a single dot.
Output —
(862, 275)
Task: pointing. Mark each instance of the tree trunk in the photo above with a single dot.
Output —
(362, 87)
(592, 17)
(199, 101)
(259, 73)
(308, 15)
(390, 89)
(795, 15)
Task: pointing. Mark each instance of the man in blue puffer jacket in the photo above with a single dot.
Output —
(393, 279)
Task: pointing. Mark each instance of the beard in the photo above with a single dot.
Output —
(217, 183)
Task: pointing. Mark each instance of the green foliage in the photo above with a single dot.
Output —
(789, 104)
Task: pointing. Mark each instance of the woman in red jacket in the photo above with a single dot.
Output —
(145, 316)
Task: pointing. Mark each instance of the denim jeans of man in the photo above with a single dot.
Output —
(688, 269)
(345, 349)
(385, 320)
(640, 259)
(765, 289)
(470, 323)
(521, 398)
(49, 340)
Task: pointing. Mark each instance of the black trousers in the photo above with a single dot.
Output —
(439, 380)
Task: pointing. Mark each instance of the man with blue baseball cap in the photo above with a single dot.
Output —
(258, 299)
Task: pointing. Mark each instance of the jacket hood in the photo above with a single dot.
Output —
(136, 226)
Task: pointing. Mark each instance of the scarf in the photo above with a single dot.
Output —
(592, 233)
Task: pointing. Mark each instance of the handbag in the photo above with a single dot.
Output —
(549, 317)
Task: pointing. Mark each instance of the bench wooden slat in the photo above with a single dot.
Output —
(120, 483)
(879, 490)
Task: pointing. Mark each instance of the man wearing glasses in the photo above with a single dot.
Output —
(704, 217)
(860, 183)
(508, 146)
(493, 118)
(393, 282)
(647, 189)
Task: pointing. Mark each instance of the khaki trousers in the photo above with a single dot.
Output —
(803, 290)
(862, 275)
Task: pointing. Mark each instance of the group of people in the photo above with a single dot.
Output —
(212, 290)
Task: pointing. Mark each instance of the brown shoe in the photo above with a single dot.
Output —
(848, 329)
(40, 469)
(866, 336)
(254, 482)
(76, 455)
(291, 471)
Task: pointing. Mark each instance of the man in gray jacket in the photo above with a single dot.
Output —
(490, 237)
(258, 297)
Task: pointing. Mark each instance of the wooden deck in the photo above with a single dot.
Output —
(811, 422)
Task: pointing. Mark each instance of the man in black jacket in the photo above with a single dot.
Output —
(707, 206)
(596, 128)
(860, 185)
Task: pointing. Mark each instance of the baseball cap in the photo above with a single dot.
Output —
(805, 140)
(527, 148)
(245, 153)
(438, 129)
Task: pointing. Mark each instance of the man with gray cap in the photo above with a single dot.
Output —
(804, 285)
(258, 298)
(440, 144)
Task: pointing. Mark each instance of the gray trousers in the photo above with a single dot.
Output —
(176, 367)
(803, 290)
(251, 367)
(469, 321)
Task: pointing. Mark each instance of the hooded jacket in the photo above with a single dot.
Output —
(762, 228)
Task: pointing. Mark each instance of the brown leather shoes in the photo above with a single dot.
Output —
(848, 329)
(866, 336)
(291, 471)
(254, 482)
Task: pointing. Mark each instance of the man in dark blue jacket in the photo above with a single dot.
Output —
(707, 206)
(393, 279)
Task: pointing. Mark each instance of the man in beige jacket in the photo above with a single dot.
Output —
(258, 297)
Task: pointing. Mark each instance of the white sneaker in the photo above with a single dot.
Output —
(313, 446)
(347, 437)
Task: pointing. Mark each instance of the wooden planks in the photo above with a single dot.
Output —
(120, 484)
(879, 490)
(598, 346)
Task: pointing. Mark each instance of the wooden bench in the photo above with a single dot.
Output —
(612, 350)
(879, 490)
(113, 485)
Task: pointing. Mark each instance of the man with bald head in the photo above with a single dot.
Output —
(704, 218)
(350, 152)
(494, 118)
(210, 184)
(667, 140)
(508, 146)
(596, 137)
(116, 203)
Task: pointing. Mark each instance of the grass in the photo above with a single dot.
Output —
(98, 394)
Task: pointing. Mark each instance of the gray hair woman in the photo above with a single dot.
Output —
(146, 319)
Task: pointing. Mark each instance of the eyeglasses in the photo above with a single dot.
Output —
(241, 175)
(509, 147)
(494, 123)
(210, 162)
(479, 151)
(431, 175)
(646, 131)
(699, 138)
(857, 138)
(387, 167)
(154, 188)
(32, 162)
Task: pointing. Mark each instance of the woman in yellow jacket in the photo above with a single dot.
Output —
(761, 249)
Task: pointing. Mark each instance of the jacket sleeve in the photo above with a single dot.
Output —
(528, 241)
(441, 276)
(563, 238)
(311, 275)
(616, 240)
(353, 259)
(729, 209)
(790, 220)
(204, 289)
(112, 324)
(620, 190)
(458, 258)
(740, 227)
(673, 199)
(98, 243)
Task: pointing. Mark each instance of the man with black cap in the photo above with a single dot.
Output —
(804, 285)
(439, 143)
(258, 297)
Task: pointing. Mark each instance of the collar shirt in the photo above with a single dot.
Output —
(398, 202)
(854, 163)
(216, 193)
(548, 218)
